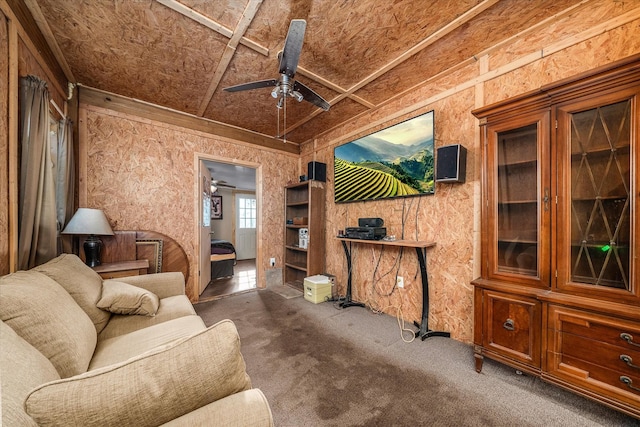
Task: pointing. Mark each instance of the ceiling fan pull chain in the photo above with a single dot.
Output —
(284, 124)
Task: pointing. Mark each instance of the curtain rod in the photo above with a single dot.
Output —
(64, 116)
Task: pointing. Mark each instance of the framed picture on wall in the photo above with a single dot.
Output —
(216, 207)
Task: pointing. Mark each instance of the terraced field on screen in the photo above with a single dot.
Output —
(358, 182)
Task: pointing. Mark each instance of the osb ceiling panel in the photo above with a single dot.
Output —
(458, 46)
(357, 54)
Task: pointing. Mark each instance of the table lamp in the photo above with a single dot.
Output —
(94, 223)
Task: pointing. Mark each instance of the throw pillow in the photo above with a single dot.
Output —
(122, 298)
(45, 315)
(150, 389)
(81, 282)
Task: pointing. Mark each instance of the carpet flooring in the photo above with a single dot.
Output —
(320, 365)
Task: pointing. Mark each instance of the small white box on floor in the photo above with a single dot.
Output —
(317, 288)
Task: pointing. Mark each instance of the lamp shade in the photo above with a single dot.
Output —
(89, 221)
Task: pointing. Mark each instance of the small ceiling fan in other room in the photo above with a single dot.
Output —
(216, 184)
(286, 85)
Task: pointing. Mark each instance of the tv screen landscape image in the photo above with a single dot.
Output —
(393, 162)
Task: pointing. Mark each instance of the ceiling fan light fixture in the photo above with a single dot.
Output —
(286, 85)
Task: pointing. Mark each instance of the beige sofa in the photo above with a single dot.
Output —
(65, 361)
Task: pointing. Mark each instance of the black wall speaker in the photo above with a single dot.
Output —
(451, 163)
(317, 171)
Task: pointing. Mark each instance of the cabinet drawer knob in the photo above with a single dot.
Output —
(508, 325)
(625, 379)
(628, 338)
(628, 360)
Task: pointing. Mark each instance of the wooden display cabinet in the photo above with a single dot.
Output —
(559, 294)
(304, 209)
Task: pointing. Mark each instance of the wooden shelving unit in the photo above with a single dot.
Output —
(304, 209)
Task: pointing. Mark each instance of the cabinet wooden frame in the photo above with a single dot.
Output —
(563, 113)
(561, 308)
(492, 201)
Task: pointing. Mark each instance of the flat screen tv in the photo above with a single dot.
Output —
(393, 162)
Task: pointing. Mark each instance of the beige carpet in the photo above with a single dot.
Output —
(285, 291)
(323, 366)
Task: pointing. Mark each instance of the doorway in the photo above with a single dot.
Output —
(231, 251)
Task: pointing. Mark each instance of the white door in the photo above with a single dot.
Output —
(204, 222)
(246, 214)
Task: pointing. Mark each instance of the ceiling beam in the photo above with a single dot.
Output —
(146, 110)
(41, 21)
(210, 23)
(318, 79)
(244, 22)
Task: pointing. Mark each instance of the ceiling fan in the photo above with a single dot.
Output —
(215, 184)
(286, 86)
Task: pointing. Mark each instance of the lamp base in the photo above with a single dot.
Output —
(92, 248)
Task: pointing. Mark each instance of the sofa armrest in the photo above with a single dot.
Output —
(148, 390)
(247, 408)
(162, 284)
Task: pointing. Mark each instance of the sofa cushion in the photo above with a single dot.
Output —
(81, 282)
(150, 389)
(44, 314)
(22, 368)
(123, 347)
(247, 408)
(122, 298)
(167, 284)
(170, 308)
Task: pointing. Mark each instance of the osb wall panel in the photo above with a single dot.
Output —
(582, 18)
(4, 146)
(449, 217)
(142, 174)
(445, 218)
(613, 45)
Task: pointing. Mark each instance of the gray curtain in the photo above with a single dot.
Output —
(37, 204)
(64, 181)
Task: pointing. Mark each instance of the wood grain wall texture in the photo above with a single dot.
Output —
(4, 145)
(595, 34)
(142, 174)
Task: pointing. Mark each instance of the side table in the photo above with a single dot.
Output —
(113, 270)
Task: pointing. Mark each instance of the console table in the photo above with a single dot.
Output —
(421, 250)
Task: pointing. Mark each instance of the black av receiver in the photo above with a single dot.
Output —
(365, 233)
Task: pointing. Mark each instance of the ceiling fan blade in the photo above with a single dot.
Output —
(310, 96)
(292, 47)
(252, 85)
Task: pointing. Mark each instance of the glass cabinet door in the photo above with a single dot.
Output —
(595, 241)
(519, 199)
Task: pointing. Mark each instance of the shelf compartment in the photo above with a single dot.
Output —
(518, 146)
(592, 265)
(518, 257)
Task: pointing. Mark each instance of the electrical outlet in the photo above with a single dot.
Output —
(272, 262)
(400, 281)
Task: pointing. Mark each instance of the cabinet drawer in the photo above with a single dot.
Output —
(576, 349)
(625, 334)
(587, 349)
(511, 326)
